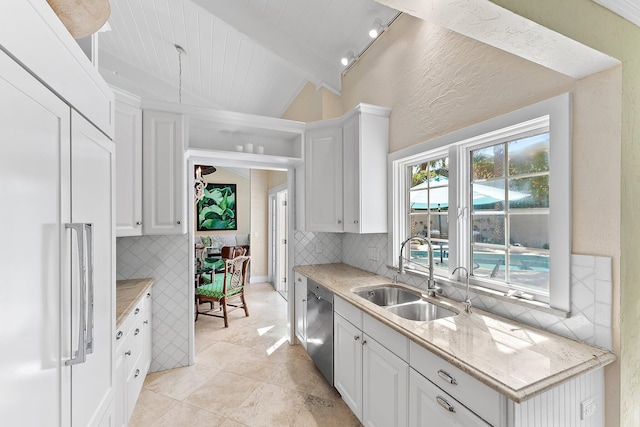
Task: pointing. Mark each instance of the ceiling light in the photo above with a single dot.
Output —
(348, 58)
(376, 29)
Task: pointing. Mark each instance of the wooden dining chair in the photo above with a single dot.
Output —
(226, 287)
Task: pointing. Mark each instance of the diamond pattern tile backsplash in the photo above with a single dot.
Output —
(317, 248)
(165, 259)
(591, 291)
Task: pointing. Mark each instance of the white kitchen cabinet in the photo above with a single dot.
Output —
(133, 357)
(128, 140)
(372, 380)
(346, 172)
(430, 406)
(301, 308)
(323, 178)
(366, 145)
(56, 170)
(164, 180)
(347, 369)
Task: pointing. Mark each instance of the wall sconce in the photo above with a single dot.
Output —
(376, 29)
(199, 185)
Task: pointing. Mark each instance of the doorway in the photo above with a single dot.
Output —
(278, 238)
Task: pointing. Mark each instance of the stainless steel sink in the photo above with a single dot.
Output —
(388, 295)
(421, 311)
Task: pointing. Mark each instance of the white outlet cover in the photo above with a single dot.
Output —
(588, 408)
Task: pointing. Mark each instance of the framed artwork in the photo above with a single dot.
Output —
(217, 209)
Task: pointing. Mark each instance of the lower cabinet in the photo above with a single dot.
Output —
(430, 406)
(133, 358)
(372, 380)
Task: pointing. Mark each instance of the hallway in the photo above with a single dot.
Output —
(245, 375)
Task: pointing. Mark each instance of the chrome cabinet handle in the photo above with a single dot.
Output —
(119, 335)
(446, 405)
(178, 222)
(127, 353)
(364, 342)
(137, 331)
(299, 279)
(146, 322)
(80, 355)
(339, 221)
(138, 223)
(148, 294)
(447, 377)
(355, 337)
(355, 221)
(90, 288)
(137, 373)
(136, 311)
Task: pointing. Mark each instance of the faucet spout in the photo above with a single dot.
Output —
(467, 300)
(431, 283)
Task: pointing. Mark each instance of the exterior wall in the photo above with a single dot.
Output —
(243, 201)
(259, 224)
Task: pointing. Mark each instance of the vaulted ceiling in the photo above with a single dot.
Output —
(250, 56)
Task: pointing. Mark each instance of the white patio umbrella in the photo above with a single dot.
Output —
(438, 194)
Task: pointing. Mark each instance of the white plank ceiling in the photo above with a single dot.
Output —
(250, 56)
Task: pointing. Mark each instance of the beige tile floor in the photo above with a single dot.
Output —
(244, 375)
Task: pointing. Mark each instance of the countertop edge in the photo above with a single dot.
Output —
(517, 395)
(124, 308)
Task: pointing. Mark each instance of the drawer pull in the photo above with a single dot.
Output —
(448, 378)
(128, 353)
(355, 337)
(446, 405)
(299, 279)
(137, 311)
(148, 294)
(146, 322)
(137, 373)
(119, 335)
(137, 331)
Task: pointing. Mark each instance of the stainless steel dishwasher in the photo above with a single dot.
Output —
(320, 328)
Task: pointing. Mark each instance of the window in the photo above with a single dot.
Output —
(494, 198)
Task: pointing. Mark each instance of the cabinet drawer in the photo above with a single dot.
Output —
(430, 406)
(134, 346)
(348, 311)
(481, 399)
(135, 381)
(390, 338)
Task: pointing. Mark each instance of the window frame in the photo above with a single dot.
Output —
(456, 146)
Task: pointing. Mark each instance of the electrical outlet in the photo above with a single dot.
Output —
(587, 408)
(373, 254)
(319, 247)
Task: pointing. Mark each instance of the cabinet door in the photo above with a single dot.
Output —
(385, 383)
(301, 309)
(323, 186)
(430, 406)
(164, 182)
(347, 370)
(92, 201)
(366, 145)
(128, 139)
(147, 327)
(34, 130)
(351, 149)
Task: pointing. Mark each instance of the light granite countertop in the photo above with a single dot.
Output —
(513, 358)
(128, 293)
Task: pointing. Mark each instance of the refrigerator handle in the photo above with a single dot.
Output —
(80, 355)
(90, 287)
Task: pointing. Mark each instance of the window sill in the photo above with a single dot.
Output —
(534, 305)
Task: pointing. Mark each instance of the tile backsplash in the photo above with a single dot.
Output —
(591, 291)
(165, 259)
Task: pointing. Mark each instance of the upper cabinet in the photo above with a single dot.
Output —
(346, 172)
(323, 168)
(128, 139)
(164, 180)
(366, 145)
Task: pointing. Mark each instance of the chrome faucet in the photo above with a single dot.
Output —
(431, 283)
(467, 300)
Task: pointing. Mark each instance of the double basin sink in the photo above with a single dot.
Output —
(404, 303)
